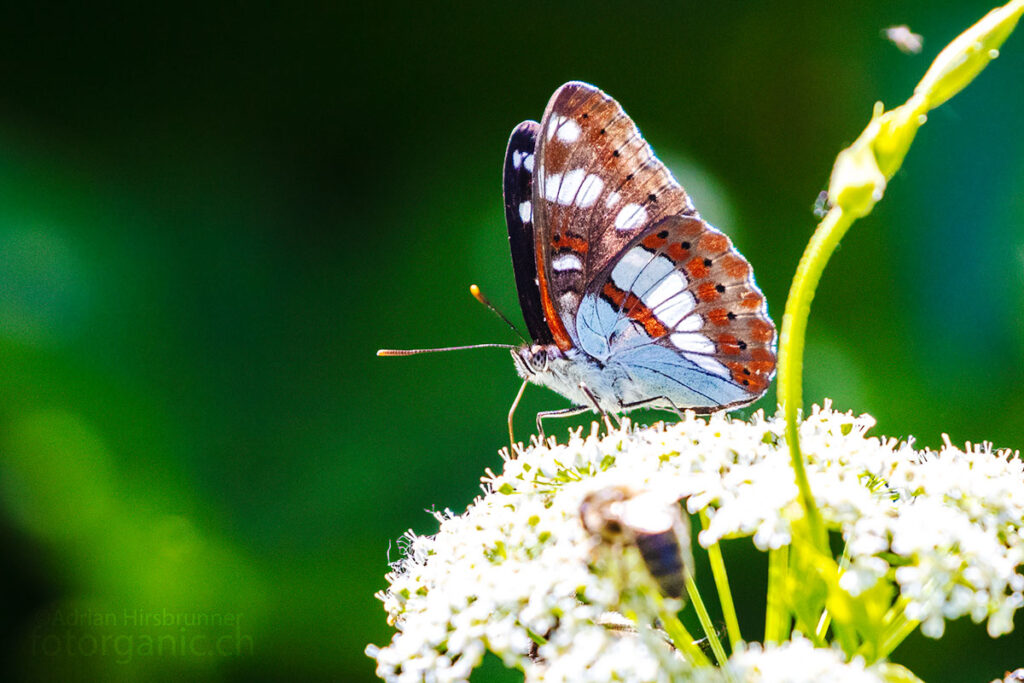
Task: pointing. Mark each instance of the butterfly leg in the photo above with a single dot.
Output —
(646, 403)
(565, 412)
(597, 406)
(511, 414)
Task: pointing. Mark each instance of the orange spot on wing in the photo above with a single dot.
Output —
(718, 316)
(751, 301)
(575, 244)
(762, 361)
(746, 376)
(735, 267)
(697, 269)
(635, 309)
(761, 331)
(677, 253)
(714, 243)
(613, 293)
(707, 292)
(728, 344)
(652, 242)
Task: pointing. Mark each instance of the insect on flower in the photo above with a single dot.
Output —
(631, 299)
(621, 516)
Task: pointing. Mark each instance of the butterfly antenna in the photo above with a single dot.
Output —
(413, 352)
(479, 296)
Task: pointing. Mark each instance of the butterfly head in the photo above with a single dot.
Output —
(536, 359)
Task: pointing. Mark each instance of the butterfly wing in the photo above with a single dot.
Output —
(680, 311)
(596, 186)
(518, 186)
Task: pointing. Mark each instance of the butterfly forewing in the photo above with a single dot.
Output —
(597, 185)
(518, 186)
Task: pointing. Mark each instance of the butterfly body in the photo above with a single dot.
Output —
(567, 372)
(630, 297)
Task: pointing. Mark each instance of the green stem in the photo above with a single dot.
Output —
(776, 622)
(898, 627)
(905, 628)
(858, 182)
(705, 620)
(681, 638)
(826, 616)
(791, 349)
(732, 624)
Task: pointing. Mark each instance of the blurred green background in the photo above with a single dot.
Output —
(212, 215)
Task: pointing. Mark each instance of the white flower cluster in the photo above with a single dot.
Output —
(519, 576)
(798, 661)
(511, 575)
(953, 524)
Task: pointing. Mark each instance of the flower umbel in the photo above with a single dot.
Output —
(930, 536)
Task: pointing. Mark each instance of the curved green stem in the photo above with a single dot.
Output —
(791, 350)
(858, 182)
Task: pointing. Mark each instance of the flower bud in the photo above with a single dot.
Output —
(968, 54)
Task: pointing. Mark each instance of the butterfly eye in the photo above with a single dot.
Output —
(540, 359)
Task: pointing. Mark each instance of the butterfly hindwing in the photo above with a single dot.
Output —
(680, 309)
(518, 187)
(597, 185)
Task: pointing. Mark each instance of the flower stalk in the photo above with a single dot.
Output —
(705, 620)
(732, 623)
(681, 638)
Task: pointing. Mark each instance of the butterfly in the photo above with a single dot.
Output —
(630, 298)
